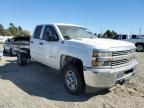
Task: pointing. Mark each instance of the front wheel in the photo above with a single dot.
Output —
(73, 80)
(139, 47)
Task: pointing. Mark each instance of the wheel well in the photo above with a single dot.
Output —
(140, 43)
(68, 59)
(74, 61)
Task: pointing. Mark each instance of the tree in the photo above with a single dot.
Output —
(114, 33)
(25, 33)
(20, 28)
(109, 34)
(2, 32)
(11, 24)
(8, 33)
(12, 29)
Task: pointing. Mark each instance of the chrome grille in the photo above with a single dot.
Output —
(119, 62)
(119, 53)
(124, 57)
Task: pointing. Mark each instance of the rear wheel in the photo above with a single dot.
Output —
(4, 50)
(73, 81)
(21, 59)
(139, 47)
(11, 52)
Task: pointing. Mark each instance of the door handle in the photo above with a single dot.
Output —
(31, 42)
(41, 43)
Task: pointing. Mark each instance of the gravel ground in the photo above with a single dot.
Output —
(38, 86)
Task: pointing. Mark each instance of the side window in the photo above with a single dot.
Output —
(117, 37)
(124, 37)
(37, 32)
(50, 33)
(134, 36)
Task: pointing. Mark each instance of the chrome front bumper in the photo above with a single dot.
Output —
(97, 79)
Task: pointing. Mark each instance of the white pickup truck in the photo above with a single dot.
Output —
(87, 63)
(138, 40)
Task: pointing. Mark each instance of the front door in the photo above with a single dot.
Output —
(51, 44)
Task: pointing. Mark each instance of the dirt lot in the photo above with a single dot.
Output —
(38, 86)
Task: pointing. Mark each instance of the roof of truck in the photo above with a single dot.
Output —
(64, 24)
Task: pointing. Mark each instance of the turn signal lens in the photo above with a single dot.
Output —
(95, 63)
(101, 63)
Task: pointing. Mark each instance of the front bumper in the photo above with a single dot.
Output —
(97, 79)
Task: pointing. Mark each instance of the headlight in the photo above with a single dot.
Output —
(102, 58)
(101, 63)
(101, 54)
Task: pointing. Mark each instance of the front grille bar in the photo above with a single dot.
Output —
(119, 53)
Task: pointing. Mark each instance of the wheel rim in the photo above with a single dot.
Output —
(71, 80)
(139, 48)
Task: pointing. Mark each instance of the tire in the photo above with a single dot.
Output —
(139, 47)
(4, 50)
(21, 59)
(73, 81)
(11, 52)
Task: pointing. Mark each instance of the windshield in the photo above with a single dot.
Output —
(73, 32)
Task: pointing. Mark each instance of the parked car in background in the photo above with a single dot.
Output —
(138, 40)
(4, 38)
(11, 45)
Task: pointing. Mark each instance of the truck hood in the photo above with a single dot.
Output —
(104, 44)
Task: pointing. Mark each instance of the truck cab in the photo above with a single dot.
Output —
(87, 63)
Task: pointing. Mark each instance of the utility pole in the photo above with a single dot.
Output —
(140, 29)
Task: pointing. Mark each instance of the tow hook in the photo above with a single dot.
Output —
(120, 82)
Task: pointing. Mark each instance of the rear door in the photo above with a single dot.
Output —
(35, 47)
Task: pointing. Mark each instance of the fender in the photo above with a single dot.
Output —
(83, 54)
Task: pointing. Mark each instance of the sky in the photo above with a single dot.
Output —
(123, 16)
